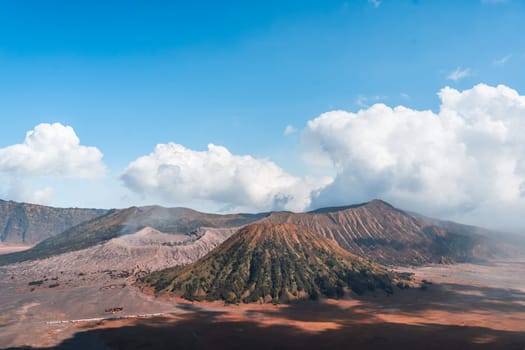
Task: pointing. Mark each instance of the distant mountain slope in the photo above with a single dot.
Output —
(375, 230)
(491, 243)
(31, 223)
(126, 221)
(135, 253)
(383, 233)
(274, 263)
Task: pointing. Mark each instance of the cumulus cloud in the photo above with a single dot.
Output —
(470, 153)
(178, 174)
(458, 74)
(51, 150)
(48, 151)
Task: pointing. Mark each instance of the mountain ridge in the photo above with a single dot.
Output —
(374, 229)
(118, 222)
(380, 231)
(25, 223)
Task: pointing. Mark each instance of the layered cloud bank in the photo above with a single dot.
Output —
(469, 153)
(467, 156)
(178, 174)
(48, 151)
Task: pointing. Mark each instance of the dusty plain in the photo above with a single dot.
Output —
(463, 306)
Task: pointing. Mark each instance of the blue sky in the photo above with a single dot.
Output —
(128, 75)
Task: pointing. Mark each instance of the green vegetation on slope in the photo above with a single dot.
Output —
(274, 263)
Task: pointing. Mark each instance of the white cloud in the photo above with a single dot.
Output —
(459, 74)
(502, 60)
(289, 130)
(470, 153)
(180, 175)
(375, 3)
(49, 151)
(52, 150)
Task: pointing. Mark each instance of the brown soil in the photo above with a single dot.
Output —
(462, 307)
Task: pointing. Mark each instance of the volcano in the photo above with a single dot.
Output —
(276, 263)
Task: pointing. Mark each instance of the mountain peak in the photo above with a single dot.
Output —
(373, 203)
(380, 231)
(277, 263)
(379, 202)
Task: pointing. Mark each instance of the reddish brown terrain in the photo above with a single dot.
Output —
(375, 230)
(77, 289)
(385, 234)
(462, 306)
